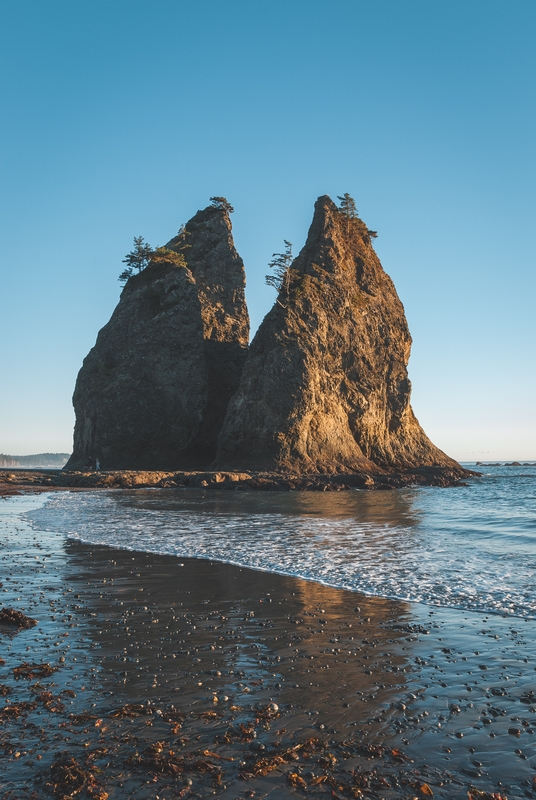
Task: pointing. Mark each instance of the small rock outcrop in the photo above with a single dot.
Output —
(206, 241)
(325, 387)
(141, 391)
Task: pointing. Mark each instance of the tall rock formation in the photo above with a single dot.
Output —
(325, 387)
(207, 243)
(153, 392)
(142, 390)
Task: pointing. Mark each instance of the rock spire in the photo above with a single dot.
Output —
(325, 387)
(207, 244)
(153, 392)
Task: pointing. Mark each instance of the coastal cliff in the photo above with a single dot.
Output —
(325, 387)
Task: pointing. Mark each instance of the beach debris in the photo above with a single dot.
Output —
(266, 712)
(51, 703)
(210, 754)
(363, 781)
(68, 778)
(210, 715)
(16, 619)
(371, 750)
(4, 690)
(267, 763)
(425, 789)
(327, 761)
(295, 780)
(160, 758)
(476, 794)
(15, 710)
(31, 671)
(408, 628)
(81, 719)
(131, 710)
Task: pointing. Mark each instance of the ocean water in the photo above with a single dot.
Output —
(471, 547)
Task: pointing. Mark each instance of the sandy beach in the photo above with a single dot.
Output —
(147, 676)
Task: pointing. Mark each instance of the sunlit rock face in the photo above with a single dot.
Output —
(325, 387)
(207, 244)
(141, 392)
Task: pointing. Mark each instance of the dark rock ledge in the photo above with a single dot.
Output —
(43, 480)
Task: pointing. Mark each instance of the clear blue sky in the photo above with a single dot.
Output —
(121, 118)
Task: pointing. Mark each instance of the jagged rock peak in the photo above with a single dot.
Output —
(206, 241)
(325, 386)
(142, 389)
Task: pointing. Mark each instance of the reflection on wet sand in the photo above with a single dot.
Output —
(213, 618)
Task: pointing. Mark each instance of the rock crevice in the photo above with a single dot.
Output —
(207, 243)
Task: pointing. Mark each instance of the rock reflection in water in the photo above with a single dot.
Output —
(182, 625)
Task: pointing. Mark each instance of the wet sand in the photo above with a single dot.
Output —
(190, 678)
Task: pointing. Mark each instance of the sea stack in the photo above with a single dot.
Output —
(142, 390)
(153, 392)
(207, 244)
(325, 386)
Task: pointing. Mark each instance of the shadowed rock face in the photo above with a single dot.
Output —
(142, 389)
(219, 274)
(325, 386)
(153, 392)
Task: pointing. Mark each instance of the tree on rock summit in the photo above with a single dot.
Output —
(222, 204)
(280, 279)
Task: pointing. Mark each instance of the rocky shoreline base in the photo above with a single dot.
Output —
(14, 481)
(151, 677)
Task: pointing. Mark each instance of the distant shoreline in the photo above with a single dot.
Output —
(34, 461)
(505, 464)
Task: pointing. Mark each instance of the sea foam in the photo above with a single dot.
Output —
(471, 547)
